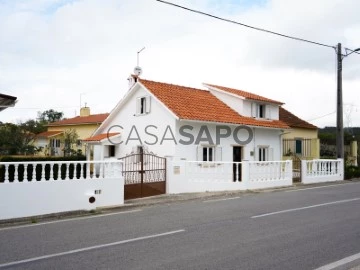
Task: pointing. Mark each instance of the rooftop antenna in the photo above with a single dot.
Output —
(138, 69)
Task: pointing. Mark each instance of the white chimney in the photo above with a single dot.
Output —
(132, 80)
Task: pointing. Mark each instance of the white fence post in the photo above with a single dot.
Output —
(245, 173)
(169, 173)
(303, 170)
(341, 168)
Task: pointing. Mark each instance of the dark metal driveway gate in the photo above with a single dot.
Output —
(144, 175)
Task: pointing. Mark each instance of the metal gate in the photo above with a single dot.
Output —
(144, 175)
(296, 161)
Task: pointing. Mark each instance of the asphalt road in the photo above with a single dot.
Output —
(302, 229)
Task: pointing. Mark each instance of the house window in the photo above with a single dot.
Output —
(143, 105)
(111, 150)
(54, 143)
(208, 153)
(260, 111)
(298, 146)
(263, 153)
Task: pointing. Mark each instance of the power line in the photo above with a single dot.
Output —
(321, 116)
(245, 25)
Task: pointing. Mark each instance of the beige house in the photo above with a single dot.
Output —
(301, 140)
(52, 140)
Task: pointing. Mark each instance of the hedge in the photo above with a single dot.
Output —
(352, 172)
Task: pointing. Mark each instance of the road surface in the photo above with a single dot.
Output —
(301, 229)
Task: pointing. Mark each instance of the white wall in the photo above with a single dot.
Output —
(262, 137)
(322, 170)
(188, 176)
(25, 199)
(159, 116)
(236, 103)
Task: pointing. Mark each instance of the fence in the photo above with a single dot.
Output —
(268, 174)
(38, 188)
(198, 176)
(322, 170)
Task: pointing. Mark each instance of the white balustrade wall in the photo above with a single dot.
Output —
(197, 176)
(322, 170)
(269, 174)
(39, 188)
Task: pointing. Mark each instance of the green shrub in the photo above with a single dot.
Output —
(352, 172)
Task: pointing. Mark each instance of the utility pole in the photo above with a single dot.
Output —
(339, 107)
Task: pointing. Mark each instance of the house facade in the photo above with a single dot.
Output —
(211, 124)
(301, 140)
(52, 141)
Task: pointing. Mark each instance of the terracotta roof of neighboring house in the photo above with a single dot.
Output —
(195, 104)
(48, 134)
(91, 119)
(244, 94)
(293, 121)
(6, 101)
(100, 137)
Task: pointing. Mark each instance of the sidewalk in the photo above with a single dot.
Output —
(155, 200)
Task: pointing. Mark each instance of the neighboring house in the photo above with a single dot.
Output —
(7, 101)
(302, 139)
(52, 140)
(183, 122)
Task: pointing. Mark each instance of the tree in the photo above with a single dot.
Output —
(33, 126)
(50, 116)
(15, 140)
(70, 139)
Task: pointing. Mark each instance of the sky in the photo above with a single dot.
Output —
(60, 54)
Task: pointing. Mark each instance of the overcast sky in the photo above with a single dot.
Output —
(55, 52)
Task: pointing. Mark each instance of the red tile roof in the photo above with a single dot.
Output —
(244, 94)
(100, 137)
(91, 119)
(48, 134)
(195, 104)
(293, 121)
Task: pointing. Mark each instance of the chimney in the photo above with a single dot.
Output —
(132, 80)
(84, 111)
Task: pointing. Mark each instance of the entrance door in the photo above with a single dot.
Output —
(237, 157)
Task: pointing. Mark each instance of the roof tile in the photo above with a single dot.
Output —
(91, 119)
(293, 121)
(196, 104)
(100, 137)
(244, 94)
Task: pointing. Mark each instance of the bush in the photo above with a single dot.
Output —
(352, 172)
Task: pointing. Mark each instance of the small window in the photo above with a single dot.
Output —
(111, 150)
(143, 105)
(260, 111)
(263, 153)
(208, 153)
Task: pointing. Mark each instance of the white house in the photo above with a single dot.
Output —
(216, 124)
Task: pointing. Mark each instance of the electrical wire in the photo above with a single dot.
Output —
(245, 25)
(321, 116)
